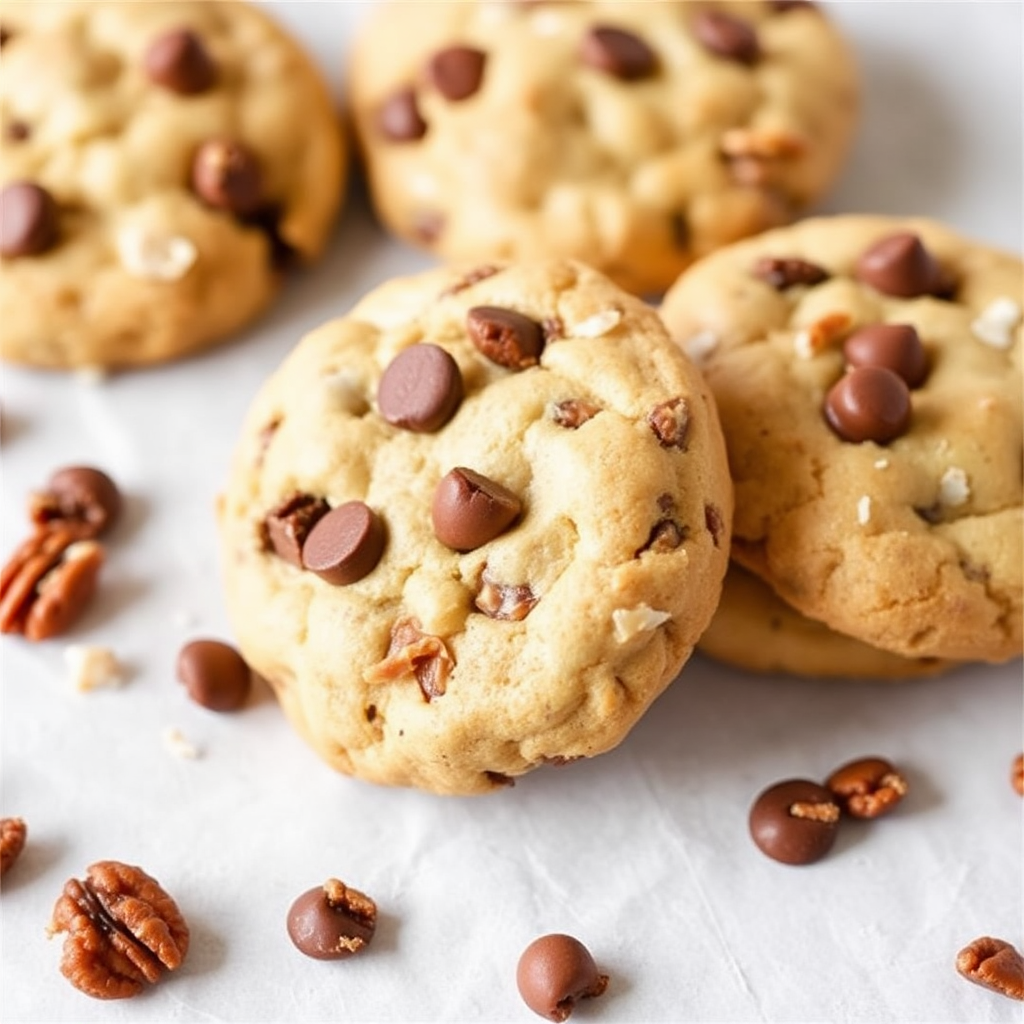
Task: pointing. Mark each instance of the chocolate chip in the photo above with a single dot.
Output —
(457, 71)
(227, 176)
(398, 117)
(781, 6)
(900, 265)
(468, 279)
(78, 496)
(665, 535)
(421, 389)
(782, 273)
(180, 62)
(332, 921)
(794, 822)
(427, 226)
(288, 525)
(469, 509)
(726, 36)
(5, 34)
(670, 422)
(679, 227)
(554, 972)
(867, 787)
(345, 544)
(870, 403)
(994, 964)
(17, 131)
(505, 337)
(574, 412)
(28, 220)
(715, 523)
(618, 52)
(214, 674)
(897, 347)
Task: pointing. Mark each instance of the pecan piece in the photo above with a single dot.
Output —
(572, 413)
(1017, 774)
(670, 422)
(506, 601)
(867, 787)
(12, 841)
(410, 650)
(994, 964)
(48, 581)
(123, 930)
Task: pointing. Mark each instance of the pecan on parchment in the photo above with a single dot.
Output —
(122, 931)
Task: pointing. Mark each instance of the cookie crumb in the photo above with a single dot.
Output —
(864, 509)
(599, 324)
(953, 487)
(152, 256)
(700, 345)
(631, 622)
(996, 323)
(179, 745)
(92, 667)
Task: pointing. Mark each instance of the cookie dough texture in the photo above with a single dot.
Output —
(142, 268)
(636, 166)
(611, 571)
(754, 629)
(914, 546)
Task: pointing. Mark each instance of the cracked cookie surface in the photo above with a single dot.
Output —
(634, 136)
(158, 176)
(911, 541)
(509, 574)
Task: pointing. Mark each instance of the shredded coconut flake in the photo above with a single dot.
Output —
(177, 744)
(953, 487)
(151, 256)
(700, 345)
(598, 325)
(630, 622)
(92, 667)
(996, 323)
(864, 509)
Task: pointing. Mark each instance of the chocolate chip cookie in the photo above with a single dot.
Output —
(476, 525)
(867, 371)
(634, 136)
(161, 165)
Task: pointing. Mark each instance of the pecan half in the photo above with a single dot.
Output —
(48, 581)
(411, 651)
(12, 841)
(123, 930)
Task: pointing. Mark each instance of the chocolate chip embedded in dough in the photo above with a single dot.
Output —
(726, 36)
(897, 347)
(785, 272)
(28, 220)
(470, 509)
(457, 71)
(870, 403)
(505, 337)
(900, 265)
(179, 61)
(288, 525)
(345, 544)
(617, 52)
(398, 118)
(421, 389)
(226, 175)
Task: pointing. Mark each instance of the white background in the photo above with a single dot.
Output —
(643, 853)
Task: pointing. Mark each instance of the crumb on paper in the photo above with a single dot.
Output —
(996, 323)
(864, 509)
(179, 745)
(700, 345)
(631, 622)
(92, 667)
(953, 487)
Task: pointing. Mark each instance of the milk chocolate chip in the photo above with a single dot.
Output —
(785, 272)
(900, 265)
(726, 36)
(345, 544)
(469, 509)
(457, 71)
(618, 53)
(78, 496)
(180, 62)
(288, 525)
(794, 821)
(214, 675)
(226, 175)
(421, 389)
(28, 220)
(554, 973)
(897, 347)
(505, 337)
(332, 921)
(870, 403)
(399, 119)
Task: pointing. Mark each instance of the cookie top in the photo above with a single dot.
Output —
(755, 629)
(159, 172)
(634, 136)
(868, 376)
(476, 525)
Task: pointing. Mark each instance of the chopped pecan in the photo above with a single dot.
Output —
(48, 581)
(12, 841)
(670, 422)
(994, 964)
(410, 650)
(665, 535)
(573, 412)
(123, 930)
(506, 601)
(818, 336)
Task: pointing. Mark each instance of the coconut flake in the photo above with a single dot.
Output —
(630, 622)
(996, 323)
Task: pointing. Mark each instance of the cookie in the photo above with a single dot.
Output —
(634, 136)
(159, 173)
(754, 629)
(867, 371)
(476, 525)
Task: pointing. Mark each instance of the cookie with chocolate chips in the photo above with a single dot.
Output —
(867, 372)
(635, 136)
(476, 525)
(156, 179)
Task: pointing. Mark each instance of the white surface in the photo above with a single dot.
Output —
(643, 854)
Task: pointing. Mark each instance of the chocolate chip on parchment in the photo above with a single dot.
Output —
(421, 389)
(28, 220)
(470, 509)
(214, 675)
(554, 973)
(457, 71)
(78, 496)
(617, 52)
(179, 61)
(332, 921)
(794, 821)
(870, 403)
(345, 544)
(505, 337)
